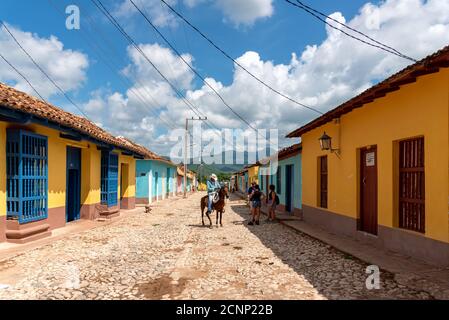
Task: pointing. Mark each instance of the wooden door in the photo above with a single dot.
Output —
(368, 190)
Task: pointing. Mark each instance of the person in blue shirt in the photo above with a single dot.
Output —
(212, 187)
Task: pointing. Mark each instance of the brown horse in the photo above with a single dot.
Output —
(219, 207)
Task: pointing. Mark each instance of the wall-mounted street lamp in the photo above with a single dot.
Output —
(326, 144)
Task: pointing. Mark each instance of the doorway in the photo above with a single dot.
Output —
(156, 184)
(368, 190)
(124, 168)
(73, 197)
(289, 188)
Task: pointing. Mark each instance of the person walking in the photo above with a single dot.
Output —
(212, 186)
(273, 201)
(256, 201)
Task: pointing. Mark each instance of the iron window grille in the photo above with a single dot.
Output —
(26, 176)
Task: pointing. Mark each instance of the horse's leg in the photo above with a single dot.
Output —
(210, 220)
(216, 218)
(202, 214)
(221, 217)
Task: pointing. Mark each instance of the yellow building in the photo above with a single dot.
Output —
(376, 167)
(253, 173)
(56, 167)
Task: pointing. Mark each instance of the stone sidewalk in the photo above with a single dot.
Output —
(407, 271)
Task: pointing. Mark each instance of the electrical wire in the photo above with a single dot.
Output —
(378, 44)
(191, 68)
(108, 15)
(23, 76)
(237, 63)
(124, 80)
(43, 71)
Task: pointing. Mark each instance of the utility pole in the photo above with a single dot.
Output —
(185, 149)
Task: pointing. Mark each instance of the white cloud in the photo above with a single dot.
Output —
(66, 67)
(246, 12)
(171, 66)
(157, 11)
(322, 76)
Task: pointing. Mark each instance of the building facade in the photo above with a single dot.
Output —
(383, 178)
(156, 180)
(56, 168)
(287, 180)
(191, 180)
(253, 174)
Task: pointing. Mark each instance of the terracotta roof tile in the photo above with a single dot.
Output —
(13, 99)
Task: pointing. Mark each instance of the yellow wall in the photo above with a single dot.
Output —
(130, 191)
(90, 168)
(417, 109)
(90, 174)
(253, 174)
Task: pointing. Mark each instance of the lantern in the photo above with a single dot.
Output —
(325, 142)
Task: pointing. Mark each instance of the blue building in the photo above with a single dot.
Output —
(287, 179)
(156, 179)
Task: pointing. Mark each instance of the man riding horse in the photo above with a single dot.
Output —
(212, 187)
(215, 200)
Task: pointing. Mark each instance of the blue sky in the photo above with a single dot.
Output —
(327, 69)
(288, 30)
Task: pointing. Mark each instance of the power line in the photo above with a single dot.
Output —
(237, 63)
(348, 27)
(378, 44)
(191, 68)
(194, 71)
(21, 74)
(98, 50)
(105, 11)
(42, 70)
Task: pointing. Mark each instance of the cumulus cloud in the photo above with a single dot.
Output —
(66, 67)
(157, 11)
(323, 75)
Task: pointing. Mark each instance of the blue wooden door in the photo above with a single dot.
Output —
(73, 190)
(167, 184)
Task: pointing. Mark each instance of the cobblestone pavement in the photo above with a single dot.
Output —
(167, 254)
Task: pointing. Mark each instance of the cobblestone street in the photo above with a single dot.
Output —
(167, 254)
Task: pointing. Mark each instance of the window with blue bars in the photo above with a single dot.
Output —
(109, 178)
(26, 176)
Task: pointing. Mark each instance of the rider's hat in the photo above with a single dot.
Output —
(213, 176)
